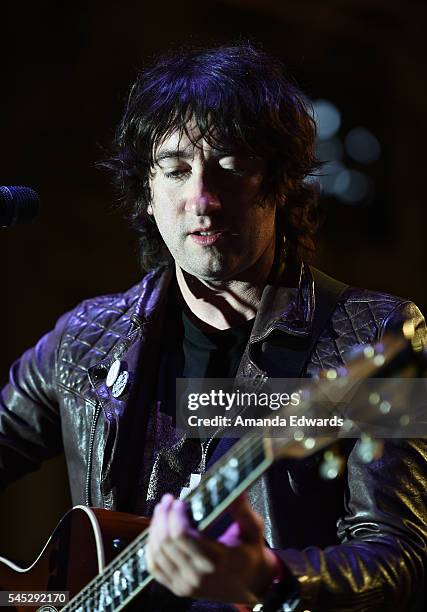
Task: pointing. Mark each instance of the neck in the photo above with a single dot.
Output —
(220, 304)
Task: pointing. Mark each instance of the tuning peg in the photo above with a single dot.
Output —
(408, 330)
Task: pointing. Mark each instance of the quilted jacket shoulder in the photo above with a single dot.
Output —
(92, 330)
(361, 316)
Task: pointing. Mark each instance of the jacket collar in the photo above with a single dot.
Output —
(287, 303)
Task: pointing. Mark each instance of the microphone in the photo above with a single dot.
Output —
(17, 205)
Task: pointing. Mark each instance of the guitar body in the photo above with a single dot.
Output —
(83, 543)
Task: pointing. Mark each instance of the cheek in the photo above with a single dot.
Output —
(263, 223)
(244, 194)
(255, 210)
(167, 203)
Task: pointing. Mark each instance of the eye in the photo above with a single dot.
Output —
(233, 165)
(241, 165)
(234, 171)
(176, 173)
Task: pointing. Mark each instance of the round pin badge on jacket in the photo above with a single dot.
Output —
(113, 373)
(121, 384)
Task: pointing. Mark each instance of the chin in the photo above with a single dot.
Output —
(214, 270)
(207, 273)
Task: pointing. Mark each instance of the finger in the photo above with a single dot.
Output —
(250, 523)
(176, 556)
(231, 536)
(199, 554)
(187, 540)
(179, 523)
(171, 563)
(158, 530)
(164, 569)
(175, 571)
(180, 564)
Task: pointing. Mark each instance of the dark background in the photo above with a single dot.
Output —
(67, 71)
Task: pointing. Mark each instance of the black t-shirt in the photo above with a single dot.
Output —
(189, 352)
(212, 354)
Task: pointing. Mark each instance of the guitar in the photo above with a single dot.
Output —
(98, 556)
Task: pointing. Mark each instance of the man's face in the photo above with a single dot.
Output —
(209, 211)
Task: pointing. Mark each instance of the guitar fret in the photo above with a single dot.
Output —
(105, 599)
(141, 563)
(212, 486)
(127, 572)
(198, 508)
(215, 490)
(230, 473)
(116, 584)
(88, 606)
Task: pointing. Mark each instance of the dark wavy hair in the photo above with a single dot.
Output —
(236, 95)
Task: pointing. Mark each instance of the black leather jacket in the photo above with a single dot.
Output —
(57, 398)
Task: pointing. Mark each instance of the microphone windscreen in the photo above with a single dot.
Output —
(17, 205)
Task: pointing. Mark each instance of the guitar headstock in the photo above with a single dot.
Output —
(369, 396)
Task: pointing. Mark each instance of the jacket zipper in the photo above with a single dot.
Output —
(90, 455)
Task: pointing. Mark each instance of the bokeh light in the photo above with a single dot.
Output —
(328, 174)
(351, 186)
(362, 145)
(327, 117)
(336, 152)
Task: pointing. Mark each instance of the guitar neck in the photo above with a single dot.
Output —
(127, 575)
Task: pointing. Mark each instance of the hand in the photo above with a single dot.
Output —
(236, 568)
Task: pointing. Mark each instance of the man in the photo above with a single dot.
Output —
(212, 159)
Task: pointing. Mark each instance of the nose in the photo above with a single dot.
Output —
(201, 198)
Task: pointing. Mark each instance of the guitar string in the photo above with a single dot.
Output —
(128, 556)
(245, 450)
(243, 453)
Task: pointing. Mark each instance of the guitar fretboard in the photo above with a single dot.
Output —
(127, 574)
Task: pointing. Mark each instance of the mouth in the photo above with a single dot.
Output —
(208, 237)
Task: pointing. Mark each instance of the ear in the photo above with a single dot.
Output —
(150, 209)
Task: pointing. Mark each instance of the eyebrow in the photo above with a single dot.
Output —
(173, 154)
(187, 154)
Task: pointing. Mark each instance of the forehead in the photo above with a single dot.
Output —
(189, 142)
(180, 140)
